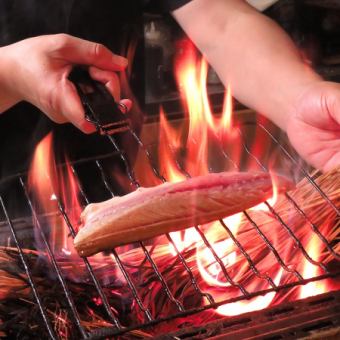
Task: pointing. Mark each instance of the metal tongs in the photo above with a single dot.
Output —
(99, 105)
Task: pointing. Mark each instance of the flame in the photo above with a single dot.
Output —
(275, 196)
(191, 75)
(258, 303)
(50, 186)
(169, 142)
(310, 270)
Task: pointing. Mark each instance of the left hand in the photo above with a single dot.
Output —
(314, 125)
(36, 70)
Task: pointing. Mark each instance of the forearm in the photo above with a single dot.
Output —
(7, 95)
(250, 52)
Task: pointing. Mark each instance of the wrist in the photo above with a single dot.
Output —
(289, 94)
(297, 94)
(8, 95)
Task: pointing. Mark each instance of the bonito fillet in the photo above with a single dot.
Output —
(149, 212)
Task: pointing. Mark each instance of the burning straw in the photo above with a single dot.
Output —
(19, 312)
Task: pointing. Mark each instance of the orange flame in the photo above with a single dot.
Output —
(310, 270)
(49, 185)
(191, 76)
(274, 198)
(254, 304)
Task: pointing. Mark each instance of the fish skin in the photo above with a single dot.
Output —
(150, 212)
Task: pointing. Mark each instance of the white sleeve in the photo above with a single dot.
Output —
(261, 5)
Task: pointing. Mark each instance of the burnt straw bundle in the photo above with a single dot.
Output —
(291, 232)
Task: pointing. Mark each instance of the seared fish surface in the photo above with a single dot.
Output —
(149, 212)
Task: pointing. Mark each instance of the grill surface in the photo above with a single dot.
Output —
(117, 328)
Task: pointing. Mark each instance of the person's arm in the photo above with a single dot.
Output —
(249, 52)
(7, 98)
(36, 70)
(267, 73)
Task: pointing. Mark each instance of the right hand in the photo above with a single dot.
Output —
(37, 69)
(314, 125)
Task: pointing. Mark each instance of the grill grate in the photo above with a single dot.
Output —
(117, 328)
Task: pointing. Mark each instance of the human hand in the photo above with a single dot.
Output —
(314, 126)
(36, 70)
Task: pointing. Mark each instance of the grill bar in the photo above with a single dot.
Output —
(147, 254)
(118, 329)
(161, 279)
(314, 228)
(61, 279)
(247, 257)
(304, 172)
(278, 217)
(218, 260)
(136, 296)
(292, 201)
(103, 332)
(296, 240)
(192, 278)
(272, 249)
(29, 274)
(126, 275)
(106, 304)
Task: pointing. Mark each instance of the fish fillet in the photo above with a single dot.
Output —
(149, 212)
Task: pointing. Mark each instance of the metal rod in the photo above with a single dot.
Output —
(296, 240)
(305, 173)
(80, 186)
(148, 155)
(154, 266)
(54, 263)
(313, 227)
(272, 248)
(119, 263)
(135, 294)
(161, 279)
(278, 217)
(192, 278)
(103, 297)
(29, 274)
(112, 332)
(219, 261)
(247, 256)
(162, 178)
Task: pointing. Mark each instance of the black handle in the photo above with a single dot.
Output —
(99, 105)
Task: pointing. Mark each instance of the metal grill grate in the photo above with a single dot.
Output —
(117, 327)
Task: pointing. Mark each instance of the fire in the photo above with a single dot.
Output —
(254, 304)
(191, 74)
(310, 270)
(273, 199)
(50, 185)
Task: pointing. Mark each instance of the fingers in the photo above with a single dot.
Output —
(109, 79)
(335, 104)
(83, 52)
(68, 107)
(333, 162)
(126, 105)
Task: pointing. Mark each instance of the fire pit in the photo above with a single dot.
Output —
(205, 281)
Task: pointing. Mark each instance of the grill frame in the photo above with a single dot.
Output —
(117, 328)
